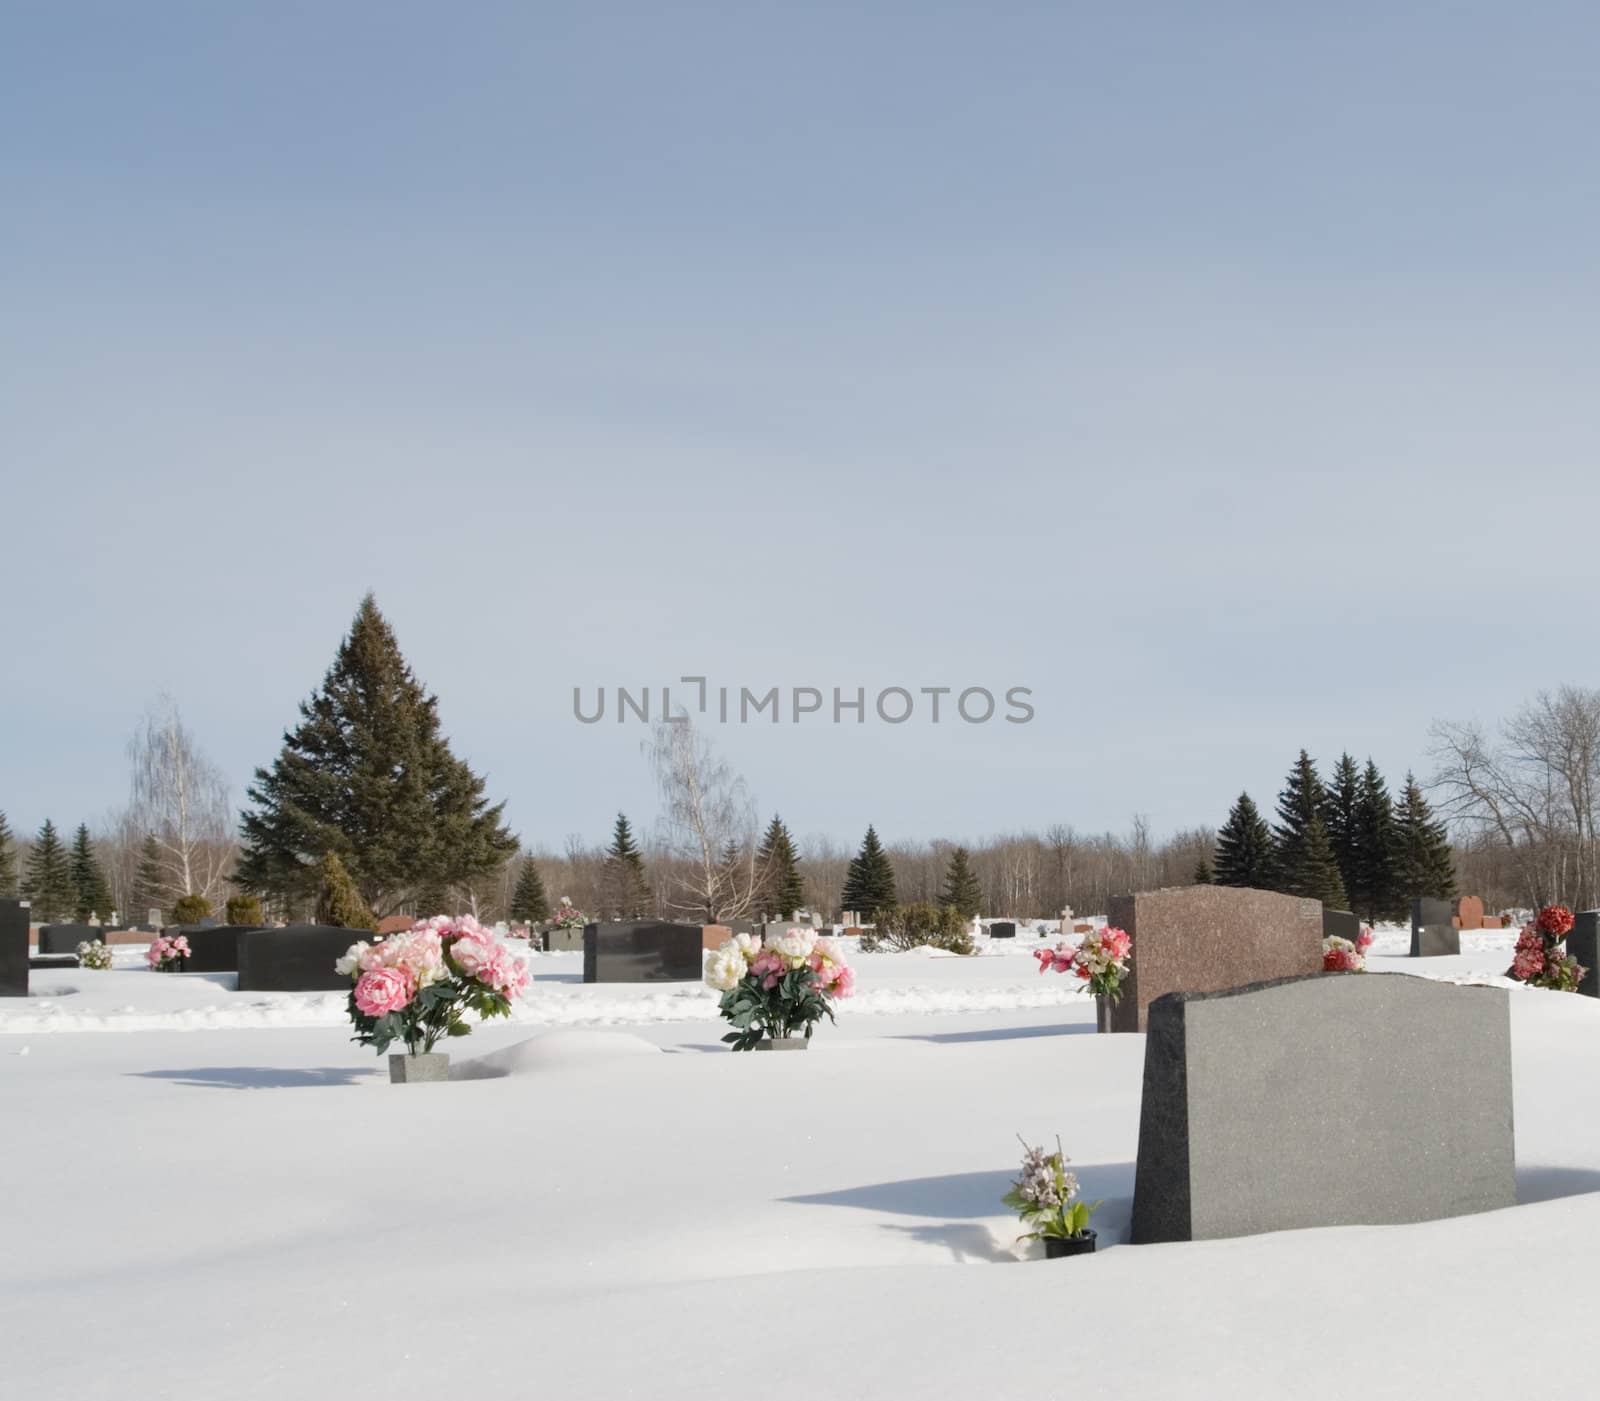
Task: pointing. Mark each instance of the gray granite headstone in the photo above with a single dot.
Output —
(1337, 1099)
(1433, 935)
(1583, 944)
(13, 948)
(642, 951)
(1340, 924)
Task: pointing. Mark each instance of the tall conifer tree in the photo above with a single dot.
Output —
(783, 891)
(1341, 815)
(368, 775)
(1244, 847)
(528, 900)
(1374, 892)
(91, 892)
(149, 883)
(49, 881)
(627, 890)
(1424, 864)
(1299, 805)
(869, 881)
(962, 890)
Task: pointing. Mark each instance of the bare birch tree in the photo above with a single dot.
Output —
(181, 799)
(707, 826)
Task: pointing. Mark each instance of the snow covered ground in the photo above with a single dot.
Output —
(212, 1194)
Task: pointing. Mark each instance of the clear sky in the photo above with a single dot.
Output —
(1225, 373)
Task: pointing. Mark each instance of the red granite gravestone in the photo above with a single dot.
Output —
(1469, 912)
(1208, 938)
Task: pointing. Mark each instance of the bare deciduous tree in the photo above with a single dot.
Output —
(707, 826)
(1533, 793)
(181, 799)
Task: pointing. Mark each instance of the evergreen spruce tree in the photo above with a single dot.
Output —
(1341, 815)
(1424, 864)
(1319, 870)
(627, 890)
(783, 891)
(368, 775)
(339, 903)
(1203, 874)
(149, 884)
(1374, 891)
(1299, 805)
(528, 900)
(8, 859)
(48, 886)
(91, 893)
(962, 890)
(1244, 847)
(869, 882)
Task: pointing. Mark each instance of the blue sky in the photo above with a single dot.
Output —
(1225, 374)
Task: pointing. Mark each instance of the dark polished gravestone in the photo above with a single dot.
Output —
(55, 960)
(1204, 938)
(298, 958)
(1433, 931)
(13, 948)
(214, 948)
(65, 938)
(642, 951)
(1340, 924)
(1003, 929)
(1583, 944)
(1243, 1129)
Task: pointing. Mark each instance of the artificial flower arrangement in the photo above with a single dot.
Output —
(414, 986)
(1540, 960)
(1100, 959)
(568, 916)
(1045, 1196)
(773, 989)
(94, 955)
(1345, 955)
(167, 953)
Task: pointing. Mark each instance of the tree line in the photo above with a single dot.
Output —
(367, 776)
(1346, 843)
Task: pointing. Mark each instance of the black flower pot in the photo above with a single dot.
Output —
(1059, 1247)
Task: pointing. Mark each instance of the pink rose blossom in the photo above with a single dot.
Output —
(384, 990)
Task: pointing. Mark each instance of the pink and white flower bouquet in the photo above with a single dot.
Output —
(1541, 958)
(568, 916)
(1099, 959)
(415, 986)
(167, 953)
(778, 987)
(1341, 955)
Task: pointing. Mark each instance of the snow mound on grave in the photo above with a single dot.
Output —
(552, 1050)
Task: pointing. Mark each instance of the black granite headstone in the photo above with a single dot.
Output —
(1583, 944)
(1432, 933)
(642, 951)
(215, 948)
(65, 938)
(298, 958)
(1003, 929)
(13, 948)
(55, 960)
(1340, 924)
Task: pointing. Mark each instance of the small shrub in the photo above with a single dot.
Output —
(244, 909)
(339, 903)
(923, 923)
(191, 909)
(94, 955)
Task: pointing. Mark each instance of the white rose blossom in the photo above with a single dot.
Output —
(726, 968)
